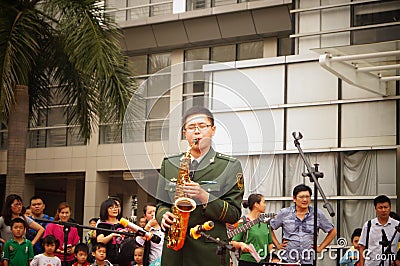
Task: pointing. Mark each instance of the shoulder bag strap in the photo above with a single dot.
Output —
(368, 230)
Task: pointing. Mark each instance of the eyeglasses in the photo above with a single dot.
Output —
(113, 207)
(303, 197)
(201, 127)
(16, 204)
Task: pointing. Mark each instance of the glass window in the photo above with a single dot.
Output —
(376, 13)
(250, 50)
(224, 53)
(284, 46)
(224, 2)
(197, 54)
(160, 9)
(110, 134)
(157, 108)
(37, 138)
(193, 100)
(157, 85)
(193, 87)
(197, 4)
(140, 9)
(56, 116)
(74, 137)
(117, 15)
(138, 64)
(57, 137)
(156, 130)
(158, 62)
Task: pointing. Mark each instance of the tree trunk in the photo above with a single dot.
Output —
(17, 141)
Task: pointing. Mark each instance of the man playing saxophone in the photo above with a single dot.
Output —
(216, 186)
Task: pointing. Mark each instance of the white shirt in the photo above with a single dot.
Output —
(375, 236)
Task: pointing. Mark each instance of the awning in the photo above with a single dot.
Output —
(367, 66)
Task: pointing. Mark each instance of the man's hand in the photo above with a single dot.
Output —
(167, 220)
(194, 190)
(282, 245)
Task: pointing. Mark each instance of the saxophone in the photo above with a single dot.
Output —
(183, 205)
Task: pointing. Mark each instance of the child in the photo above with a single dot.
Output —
(138, 256)
(351, 256)
(99, 254)
(18, 251)
(50, 243)
(142, 222)
(81, 253)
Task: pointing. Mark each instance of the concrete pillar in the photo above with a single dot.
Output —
(270, 47)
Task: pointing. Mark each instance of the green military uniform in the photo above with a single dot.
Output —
(222, 177)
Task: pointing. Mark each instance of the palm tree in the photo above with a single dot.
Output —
(70, 45)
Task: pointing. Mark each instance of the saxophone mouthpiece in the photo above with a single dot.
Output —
(195, 141)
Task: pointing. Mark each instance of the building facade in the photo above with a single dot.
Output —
(266, 68)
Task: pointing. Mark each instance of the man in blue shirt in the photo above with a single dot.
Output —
(297, 224)
(37, 207)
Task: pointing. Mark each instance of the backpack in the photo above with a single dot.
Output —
(126, 251)
(125, 248)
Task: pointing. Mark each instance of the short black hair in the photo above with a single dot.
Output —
(98, 245)
(81, 247)
(50, 239)
(36, 197)
(152, 204)
(198, 110)
(94, 219)
(299, 188)
(356, 232)
(382, 199)
(18, 220)
(394, 215)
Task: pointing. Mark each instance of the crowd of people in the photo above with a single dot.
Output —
(216, 186)
(38, 239)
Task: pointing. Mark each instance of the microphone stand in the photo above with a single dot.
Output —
(66, 229)
(221, 248)
(313, 174)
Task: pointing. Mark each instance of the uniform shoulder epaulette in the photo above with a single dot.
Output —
(226, 157)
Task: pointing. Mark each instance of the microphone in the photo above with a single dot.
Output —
(195, 232)
(140, 231)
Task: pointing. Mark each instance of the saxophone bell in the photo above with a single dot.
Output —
(185, 204)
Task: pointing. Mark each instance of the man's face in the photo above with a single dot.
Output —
(302, 199)
(198, 126)
(37, 207)
(150, 213)
(383, 210)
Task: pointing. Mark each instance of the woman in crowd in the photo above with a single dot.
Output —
(109, 213)
(63, 214)
(13, 208)
(258, 235)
